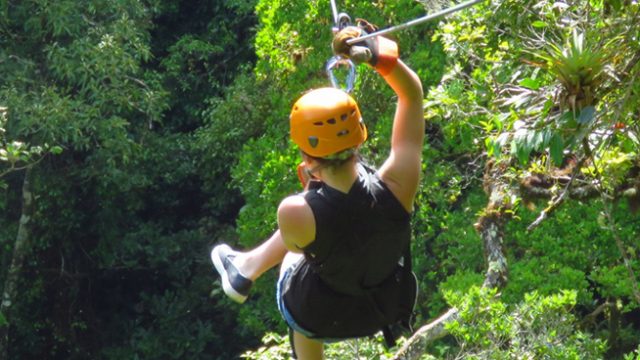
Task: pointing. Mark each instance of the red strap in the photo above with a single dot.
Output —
(387, 55)
(302, 176)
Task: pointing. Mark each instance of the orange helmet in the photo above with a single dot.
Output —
(326, 121)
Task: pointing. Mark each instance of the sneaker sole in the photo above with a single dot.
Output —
(226, 286)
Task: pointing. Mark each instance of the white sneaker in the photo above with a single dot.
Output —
(234, 284)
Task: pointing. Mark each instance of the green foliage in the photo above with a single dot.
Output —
(459, 284)
(526, 111)
(537, 328)
(3, 321)
(121, 212)
(277, 347)
(491, 91)
(16, 155)
(633, 355)
(201, 46)
(447, 250)
(573, 252)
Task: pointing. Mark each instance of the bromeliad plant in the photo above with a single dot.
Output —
(579, 67)
(560, 115)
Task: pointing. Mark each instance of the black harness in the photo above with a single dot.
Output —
(356, 277)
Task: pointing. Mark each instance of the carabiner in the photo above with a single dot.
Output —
(344, 20)
(337, 62)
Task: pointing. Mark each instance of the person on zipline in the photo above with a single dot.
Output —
(343, 240)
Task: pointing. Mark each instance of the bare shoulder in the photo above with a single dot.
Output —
(401, 174)
(296, 222)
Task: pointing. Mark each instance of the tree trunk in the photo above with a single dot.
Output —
(490, 226)
(20, 249)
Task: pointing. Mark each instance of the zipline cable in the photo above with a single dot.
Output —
(413, 22)
(334, 9)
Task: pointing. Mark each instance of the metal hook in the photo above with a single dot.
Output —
(337, 62)
(342, 21)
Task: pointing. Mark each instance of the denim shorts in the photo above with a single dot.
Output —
(284, 275)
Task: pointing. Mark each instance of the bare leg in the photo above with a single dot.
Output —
(255, 262)
(307, 349)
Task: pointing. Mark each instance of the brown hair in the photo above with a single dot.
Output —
(333, 161)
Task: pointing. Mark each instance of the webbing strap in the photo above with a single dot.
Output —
(389, 339)
(387, 332)
(293, 346)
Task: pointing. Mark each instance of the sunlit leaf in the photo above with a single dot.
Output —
(530, 83)
(539, 24)
(556, 149)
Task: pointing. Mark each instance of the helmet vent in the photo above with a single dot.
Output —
(343, 117)
(318, 123)
(331, 121)
(343, 132)
(313, 141)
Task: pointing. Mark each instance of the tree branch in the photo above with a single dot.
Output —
(20, 251)
(579, 193)
(558, 199)
(415, 346)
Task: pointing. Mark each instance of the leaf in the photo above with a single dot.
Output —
(520, 148)
(531, 139)
(56, 150)
(546, 137)
(538, 142)
(539, 24)
(494, 146)
(556, 149)
(587, 115)
(567, 119)
(489, 144)
(634, 138)
(530, 83)
(497, 148)
(523, 153)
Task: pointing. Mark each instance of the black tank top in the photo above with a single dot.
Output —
(360, 237)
